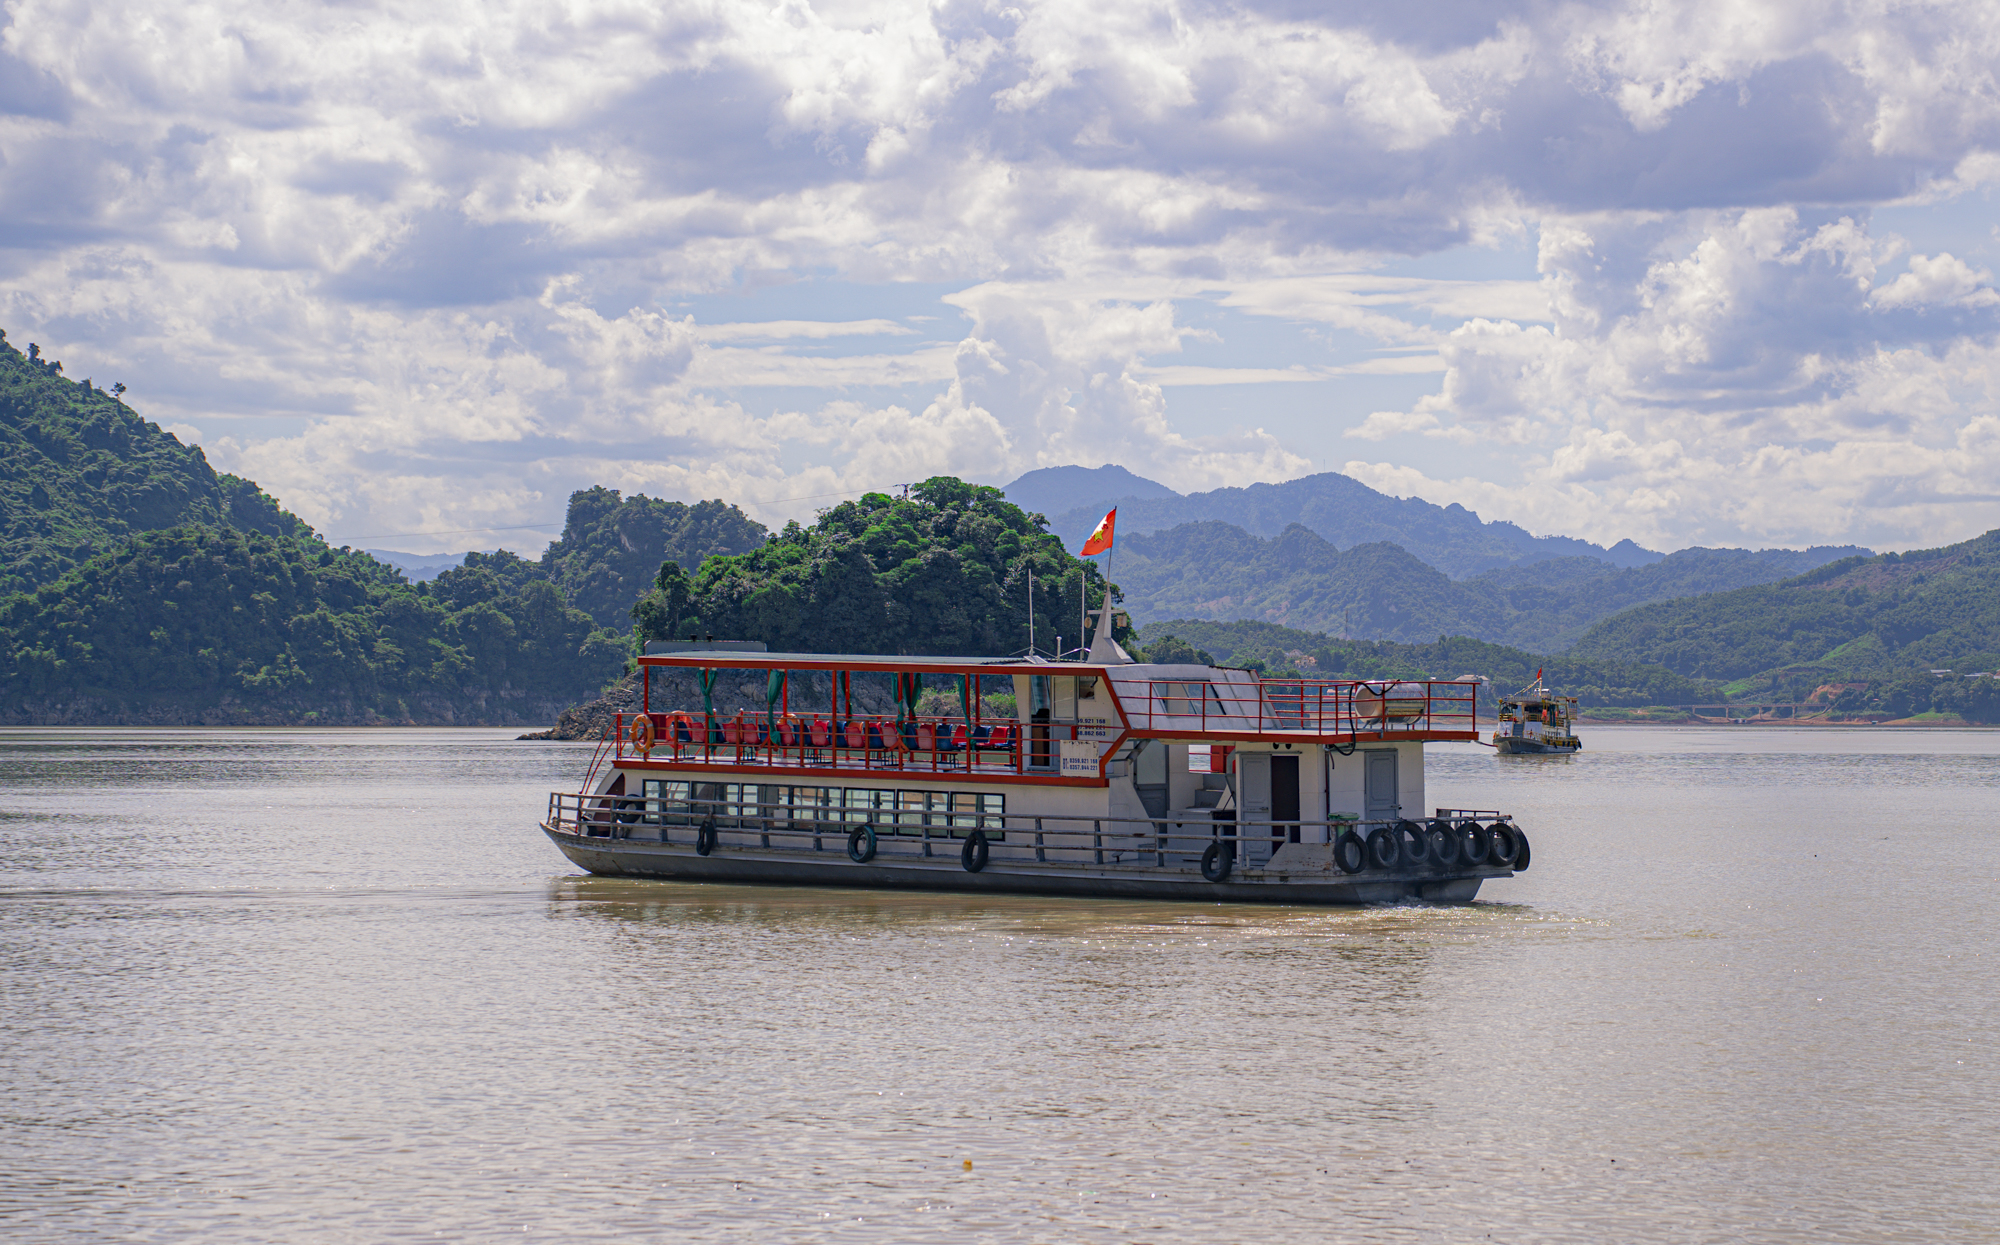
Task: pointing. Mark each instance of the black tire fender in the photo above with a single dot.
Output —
(973, 855)
(1217, 861)
(1506, 846)
(861, 844)
(1384, 852)
(1521, 857)
(1350, 852)
(1474, 843)
(704, 838)
(1444, 843)
(1414, 844)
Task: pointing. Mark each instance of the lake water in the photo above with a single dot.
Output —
(336, 987)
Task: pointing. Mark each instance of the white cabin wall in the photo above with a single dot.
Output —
(1410, 781)
(1124, 803)
(1347, 784)
(1181, 785)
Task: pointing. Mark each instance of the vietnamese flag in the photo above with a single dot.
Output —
(1100, 540)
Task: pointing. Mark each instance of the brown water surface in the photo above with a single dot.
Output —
(335, 987)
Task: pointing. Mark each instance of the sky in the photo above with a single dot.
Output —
(1689, 273)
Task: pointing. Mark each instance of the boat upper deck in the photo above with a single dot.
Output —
(1071, 718)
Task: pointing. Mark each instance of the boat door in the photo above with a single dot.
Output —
(1253, 799)
(1384, 803)
(1284, 798)
(1149, 776)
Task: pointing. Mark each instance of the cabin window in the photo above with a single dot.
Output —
(911, 808)
(1186, 698)
(891, 812)
(668, 801)
(810, 803)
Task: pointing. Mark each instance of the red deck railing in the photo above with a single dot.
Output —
(1368, 708)
(858, 743)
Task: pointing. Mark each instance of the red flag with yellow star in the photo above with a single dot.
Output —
(1100, 540)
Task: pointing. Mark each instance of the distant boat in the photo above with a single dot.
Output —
(1533, 722)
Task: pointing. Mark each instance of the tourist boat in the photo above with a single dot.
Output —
(1108, 778)
(1534, 722)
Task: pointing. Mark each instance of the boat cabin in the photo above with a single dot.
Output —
(1154, 760)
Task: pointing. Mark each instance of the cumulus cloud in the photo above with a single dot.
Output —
(422, 266)
(1742, 376)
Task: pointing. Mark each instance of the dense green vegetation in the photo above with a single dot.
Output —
(942, 571)
(1276, 649)
(201, 624)
(1215, 570)
(80, 471)
(1886, 622)
(611, 549)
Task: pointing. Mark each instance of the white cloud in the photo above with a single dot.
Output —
(1942, 281)
(408, 264)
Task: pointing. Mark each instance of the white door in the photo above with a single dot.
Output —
(1384, 803)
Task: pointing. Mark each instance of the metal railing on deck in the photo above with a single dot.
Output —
(1170, 842)
(1383, 707)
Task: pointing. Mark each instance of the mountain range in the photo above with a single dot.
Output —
(1343, 511)
(1382, 591)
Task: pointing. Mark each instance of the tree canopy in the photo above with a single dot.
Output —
(80, 471)
(612, 547)
(203, 624)
(942, 571)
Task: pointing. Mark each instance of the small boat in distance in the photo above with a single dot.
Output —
(1534, 722)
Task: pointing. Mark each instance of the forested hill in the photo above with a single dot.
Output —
(611, 548)
(1379, 590)
(1345, 513)
(1890, 619)
(942, 571)
(218, 626)
(80, 471)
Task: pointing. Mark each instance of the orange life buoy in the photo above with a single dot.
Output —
(643, 734)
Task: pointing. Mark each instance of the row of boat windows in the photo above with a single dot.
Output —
(889, 811)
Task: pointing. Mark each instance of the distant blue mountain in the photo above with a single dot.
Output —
(1059, 490)
(1339, 509)
(418, 567)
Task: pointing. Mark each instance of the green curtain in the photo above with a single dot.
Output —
(773, 689)
(965, 698)
(707, 678)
